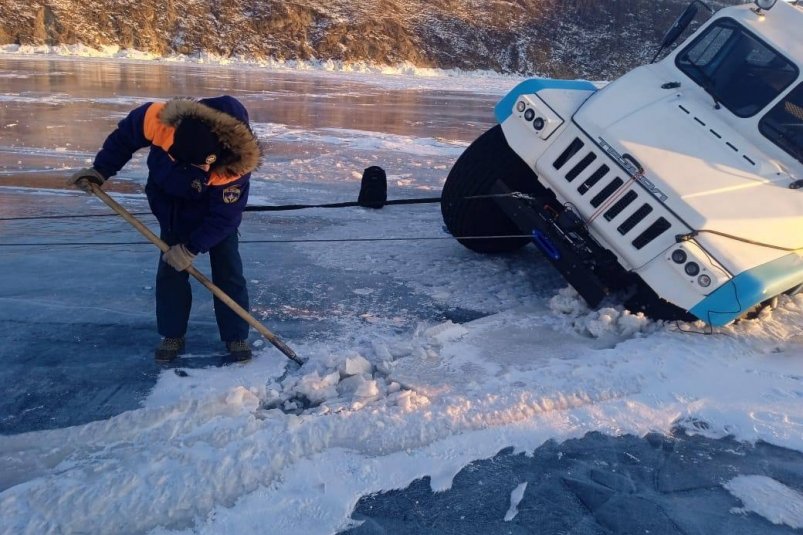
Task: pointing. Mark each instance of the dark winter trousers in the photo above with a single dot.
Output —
(174, 296)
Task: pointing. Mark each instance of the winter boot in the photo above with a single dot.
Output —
(169, 348)
(239, 350)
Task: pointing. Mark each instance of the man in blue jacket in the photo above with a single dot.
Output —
(202, 153)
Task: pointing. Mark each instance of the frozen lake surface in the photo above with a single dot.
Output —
(446, 392)
(594, 485)
(80, 319)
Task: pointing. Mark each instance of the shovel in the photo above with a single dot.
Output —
(220, 294)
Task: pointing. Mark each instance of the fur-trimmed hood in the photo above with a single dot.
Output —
(228, 119)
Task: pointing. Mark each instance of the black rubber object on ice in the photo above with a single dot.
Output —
(373, 194)
(284, 207)
(373, 188)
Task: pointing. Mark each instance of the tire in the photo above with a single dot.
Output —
(488, 159)
(644, 299)
(771, 303)
(795, 290)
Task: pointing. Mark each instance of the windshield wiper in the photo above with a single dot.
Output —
(705, 81)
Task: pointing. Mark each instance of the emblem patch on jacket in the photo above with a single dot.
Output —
(231, 194)
(197, 186)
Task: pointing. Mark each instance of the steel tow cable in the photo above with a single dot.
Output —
(302, 240)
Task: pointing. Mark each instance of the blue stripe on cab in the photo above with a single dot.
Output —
(750, 288)
(504, 108)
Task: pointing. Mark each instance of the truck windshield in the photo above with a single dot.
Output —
(783, 124)
(736, 68)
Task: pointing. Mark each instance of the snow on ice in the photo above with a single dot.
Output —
(219, 445)
(773, 500)
(515, 499)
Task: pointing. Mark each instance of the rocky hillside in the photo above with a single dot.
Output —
(581, 38)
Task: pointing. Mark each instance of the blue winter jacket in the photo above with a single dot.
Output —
(197, 207)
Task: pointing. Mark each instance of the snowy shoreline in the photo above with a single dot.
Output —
(489, 82)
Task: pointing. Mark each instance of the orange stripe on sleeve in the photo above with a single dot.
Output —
(156, 131)
(218, 179)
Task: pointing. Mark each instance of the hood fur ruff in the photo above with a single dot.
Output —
(242, 152)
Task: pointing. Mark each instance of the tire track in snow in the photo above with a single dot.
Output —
(168, 466)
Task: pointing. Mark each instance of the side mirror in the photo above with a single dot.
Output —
(764, 4)
(680, 24)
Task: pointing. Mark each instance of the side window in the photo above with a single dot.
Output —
(736, 67)
(783, 124)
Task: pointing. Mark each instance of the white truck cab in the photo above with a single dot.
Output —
(679, 184)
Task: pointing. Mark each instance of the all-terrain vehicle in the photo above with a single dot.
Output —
(678, 186)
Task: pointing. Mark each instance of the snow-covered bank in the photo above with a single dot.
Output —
(404, 75)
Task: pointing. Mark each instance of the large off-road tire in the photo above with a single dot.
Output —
(486, 160)
(644, 299)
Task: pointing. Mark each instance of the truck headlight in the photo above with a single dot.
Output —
(696, 266)
(541, 120)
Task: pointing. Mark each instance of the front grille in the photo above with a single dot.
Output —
(597, 187)
(581, 166)
(620, 205)
(634, 219)
(606, 192)
(660, 226)
(573, 148)
(591, 181)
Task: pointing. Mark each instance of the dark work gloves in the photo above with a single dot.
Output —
(82, 178)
